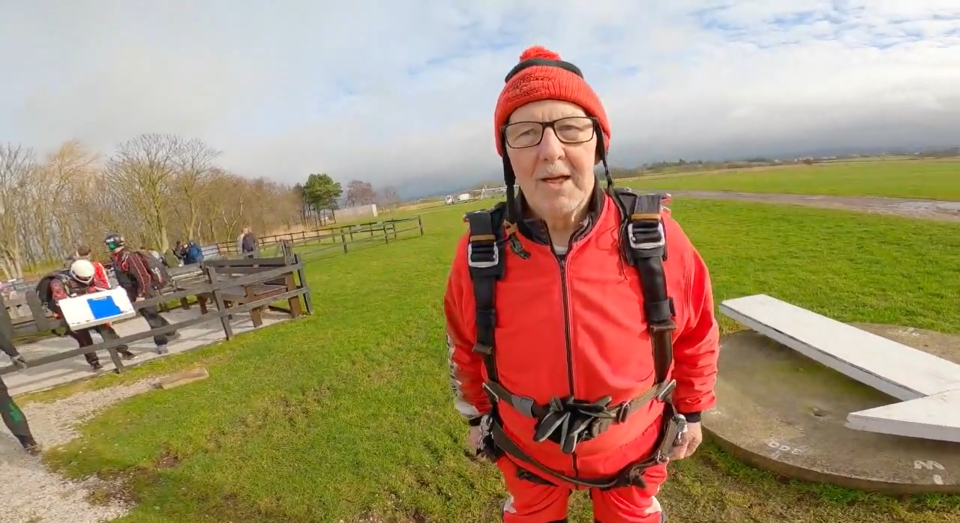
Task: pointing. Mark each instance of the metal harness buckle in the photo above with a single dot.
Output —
(655, 241)
(483, 264)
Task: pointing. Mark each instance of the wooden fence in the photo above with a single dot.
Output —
(279, 275)
(379, 231)
(351, 237)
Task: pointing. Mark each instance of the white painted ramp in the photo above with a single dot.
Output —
(890, 367)
(933, 417)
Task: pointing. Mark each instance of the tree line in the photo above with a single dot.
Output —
(154, 189)
(322, 193)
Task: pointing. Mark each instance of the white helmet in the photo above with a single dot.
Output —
(82, 271)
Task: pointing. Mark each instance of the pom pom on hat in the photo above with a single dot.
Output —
(538, 51)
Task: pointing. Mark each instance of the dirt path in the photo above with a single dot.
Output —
(927, 209)
(34, 494)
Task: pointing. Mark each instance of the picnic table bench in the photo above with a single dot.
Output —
(225, 269)
(928, 385)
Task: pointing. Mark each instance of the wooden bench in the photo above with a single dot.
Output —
(929, 385)
(223, 269)
(183, 278)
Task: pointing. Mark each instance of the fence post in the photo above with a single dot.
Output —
(386, 233)
(307, 299)
(420, 224)
(38, 311)
(115, 358)
(6, 323)
(218, 299)
(343, 240)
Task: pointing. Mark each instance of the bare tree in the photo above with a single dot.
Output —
(152, 188)
(388, 197)
(360, 193)
(143, 171)
(62, 211)
(17, 170)
(195, 164)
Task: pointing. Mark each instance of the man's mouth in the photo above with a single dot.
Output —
(555, 179)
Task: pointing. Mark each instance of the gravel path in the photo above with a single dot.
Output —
(33, 494)
(928, 209)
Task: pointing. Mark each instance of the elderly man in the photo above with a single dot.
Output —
(581, 353)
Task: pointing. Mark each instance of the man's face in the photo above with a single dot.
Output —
(556, 178)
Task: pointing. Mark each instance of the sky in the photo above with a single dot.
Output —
(402, 92)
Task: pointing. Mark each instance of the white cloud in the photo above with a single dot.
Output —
(393, 91)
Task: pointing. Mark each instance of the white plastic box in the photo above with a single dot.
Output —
(90, 310)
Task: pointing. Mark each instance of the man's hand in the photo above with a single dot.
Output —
(689, 441)
(473, 438)
(18, 361)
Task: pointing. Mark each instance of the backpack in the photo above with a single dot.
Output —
(159, 277)
(46, 294)
(643, 246)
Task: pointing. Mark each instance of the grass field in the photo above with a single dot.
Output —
(938, 180)
(349, 412)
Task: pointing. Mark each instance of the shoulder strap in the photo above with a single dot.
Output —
(644, 246)
(485, 259)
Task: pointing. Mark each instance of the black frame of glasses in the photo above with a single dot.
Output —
(550, 124)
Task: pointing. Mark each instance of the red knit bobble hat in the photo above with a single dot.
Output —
(542, 75)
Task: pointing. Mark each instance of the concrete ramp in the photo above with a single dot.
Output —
(933, 417)
(890, 367)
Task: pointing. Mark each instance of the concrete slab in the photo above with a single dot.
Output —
(54, 374)
(934, 417)
(780, 411)
(888, 366)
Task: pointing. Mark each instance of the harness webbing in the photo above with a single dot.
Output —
(486, 262)
(643, 245)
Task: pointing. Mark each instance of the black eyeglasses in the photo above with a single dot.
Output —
(570, 130)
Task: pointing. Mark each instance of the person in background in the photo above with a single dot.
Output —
(133, 274)
(179, 251)
(193, 253)
(249, 243)
(12, 416)
(100, 279)
(243, 234)
(77, 281)
(101, 282)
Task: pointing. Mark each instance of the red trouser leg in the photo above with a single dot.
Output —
(631, 504)
(531, 502)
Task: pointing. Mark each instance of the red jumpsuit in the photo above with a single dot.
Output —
(593, 298)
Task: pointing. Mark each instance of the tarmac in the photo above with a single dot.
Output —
(63, 372)
(780, 411)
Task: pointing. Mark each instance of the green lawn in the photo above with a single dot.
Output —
(939, 180)
(349, 412)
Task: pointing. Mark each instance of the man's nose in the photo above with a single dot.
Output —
(551, 147)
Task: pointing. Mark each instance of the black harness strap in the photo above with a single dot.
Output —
(644, 246)
(485, 258)
(632, 474)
